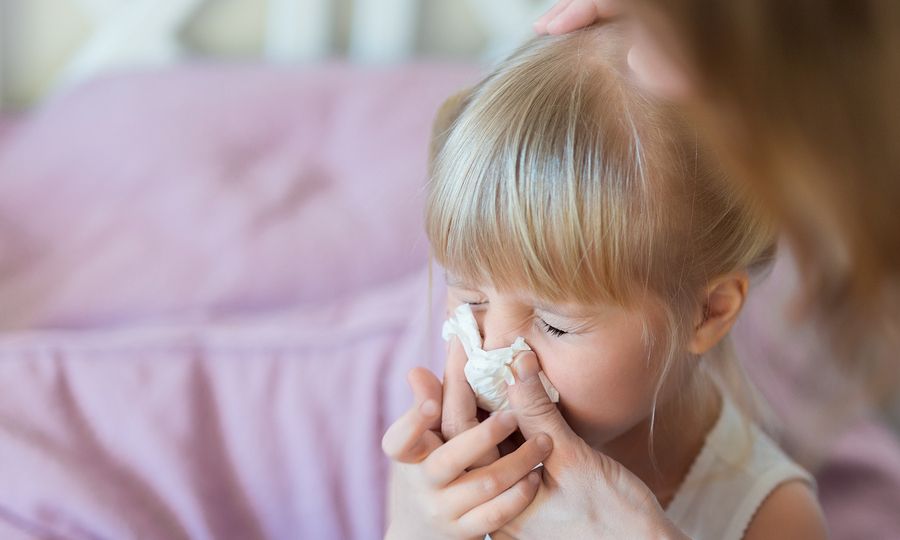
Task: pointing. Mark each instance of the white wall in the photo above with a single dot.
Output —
(40, 40)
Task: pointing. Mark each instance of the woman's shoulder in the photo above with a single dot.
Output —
(791, 510)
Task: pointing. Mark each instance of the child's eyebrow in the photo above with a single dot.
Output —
(555, 310)
(454, 281)
(570, 313)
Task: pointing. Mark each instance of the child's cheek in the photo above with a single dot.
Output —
(598, 397)
(563, 374)
(573, 364)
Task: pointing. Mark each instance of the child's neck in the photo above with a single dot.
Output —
(679, 434)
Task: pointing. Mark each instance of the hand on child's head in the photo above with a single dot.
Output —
(652, 65)
(568, 15)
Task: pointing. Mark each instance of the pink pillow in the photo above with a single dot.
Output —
(207, 191)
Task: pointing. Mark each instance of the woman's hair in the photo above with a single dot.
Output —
(802, 98)
(559, 177)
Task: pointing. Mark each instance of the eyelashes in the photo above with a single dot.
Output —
(552, 330)
(547, 327)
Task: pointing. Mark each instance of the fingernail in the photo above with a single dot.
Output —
(527, 367)
(429, 407)
(534, 477)
(544, 443)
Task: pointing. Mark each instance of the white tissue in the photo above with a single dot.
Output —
(488, 372)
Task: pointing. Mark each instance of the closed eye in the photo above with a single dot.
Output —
(552, 330)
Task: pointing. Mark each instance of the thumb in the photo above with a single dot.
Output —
(534, 410)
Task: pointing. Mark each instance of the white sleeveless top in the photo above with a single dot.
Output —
(738, 467)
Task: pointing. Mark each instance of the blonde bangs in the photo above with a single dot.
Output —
(533, 192)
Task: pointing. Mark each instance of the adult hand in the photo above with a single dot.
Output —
(460, 410)
(583, 493)
(436, 489)
(568, 15)
(652, 64)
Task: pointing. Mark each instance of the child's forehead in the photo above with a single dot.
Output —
(455, 280)
(469, 282)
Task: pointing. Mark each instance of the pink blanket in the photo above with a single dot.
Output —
(214, 281)
(256, 428)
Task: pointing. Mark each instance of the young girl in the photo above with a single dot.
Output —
(572, 211)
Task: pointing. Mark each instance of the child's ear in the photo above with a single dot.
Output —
(722, 304)
(446, 115)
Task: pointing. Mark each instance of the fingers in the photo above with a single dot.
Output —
(409, 439)
(540, 25)
(511, 444)
(460, 412)
(578, 14)
(502, 509)
(569, 15)
(460, 409)
(654, 69)
(452, 459)
(425, 385)
(481, 485)
(535, 412)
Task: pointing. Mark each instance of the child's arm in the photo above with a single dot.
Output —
(435, 490)
(790, 511)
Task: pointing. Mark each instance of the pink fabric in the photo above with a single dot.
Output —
(211, 191)
(213, 284)
(7, 125)
(257, 428)
(209, 278)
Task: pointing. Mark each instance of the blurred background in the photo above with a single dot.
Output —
(47, 45)
(211, 229)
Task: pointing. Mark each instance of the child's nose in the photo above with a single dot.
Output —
(497, 331)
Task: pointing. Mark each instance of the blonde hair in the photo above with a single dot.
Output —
(560, 178)
(802, 100)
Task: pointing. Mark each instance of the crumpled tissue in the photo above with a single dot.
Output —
(488, 372)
